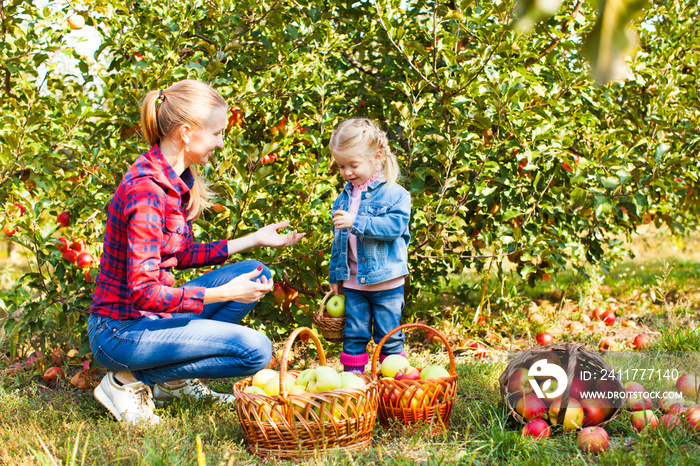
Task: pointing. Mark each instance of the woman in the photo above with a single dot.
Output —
(144, 330)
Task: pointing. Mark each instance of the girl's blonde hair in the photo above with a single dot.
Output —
(185, 102)
(363, 136)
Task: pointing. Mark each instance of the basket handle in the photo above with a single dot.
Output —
(319, 311)
(375, 355)
(285, 355)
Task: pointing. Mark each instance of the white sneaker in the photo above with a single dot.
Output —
(190, 387)
(129, 402)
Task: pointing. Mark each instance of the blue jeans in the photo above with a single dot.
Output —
(188, 345)
(372, 314)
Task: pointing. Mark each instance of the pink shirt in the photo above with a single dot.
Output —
(352, 283)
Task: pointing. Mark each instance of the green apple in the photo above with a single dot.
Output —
(305, 376)
(272, 386)
(433, 372)
(326, 379)
(336, 306)
(297, 390)
(415, 399)
(348, 379)
(263, 376)
(394, 363)
(255, 390)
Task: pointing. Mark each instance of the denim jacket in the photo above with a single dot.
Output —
(381, 227)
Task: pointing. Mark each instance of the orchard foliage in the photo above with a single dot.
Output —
(511, 151)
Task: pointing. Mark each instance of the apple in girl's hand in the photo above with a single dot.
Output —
(409, 373)
(336, 306)
(688, 385)
(593, 440)
(544, 338)
(537, 428)
(642, 419)
(393, 364)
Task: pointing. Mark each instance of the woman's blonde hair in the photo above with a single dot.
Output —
(363, 136)
(185, 102)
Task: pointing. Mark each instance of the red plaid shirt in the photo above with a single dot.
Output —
(146, 235)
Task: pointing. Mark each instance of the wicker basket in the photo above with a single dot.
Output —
(411, 402)
(290, 426)
(331, 327)
(575, 360)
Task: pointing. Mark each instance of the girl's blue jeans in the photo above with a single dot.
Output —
(372, 314)
(188, 345)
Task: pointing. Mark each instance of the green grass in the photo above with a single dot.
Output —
(63, 426)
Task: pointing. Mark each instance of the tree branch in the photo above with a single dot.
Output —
(555, 41)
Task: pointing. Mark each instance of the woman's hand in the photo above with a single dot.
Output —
(342, 219)
(270, 237)
(245, 288)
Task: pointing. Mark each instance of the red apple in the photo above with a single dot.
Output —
(544, 338)
(78, 245)
(692, 418)
(63, 219)
(278, 293)
(593, 440)
(641, 341)
(670, 421)
(20, 208)
(531, 407)
(598, 313)
(593, 412)
(538, 428)
(70, 255)
(688, 385)
(85, 260)
(637, 397)
(679, 408)
(52, 374)
(608, 317)
(9, 230)
(578, 386)
(62, 245)
(566, 167)
(409, 373)
(519, 382)
(643, 419)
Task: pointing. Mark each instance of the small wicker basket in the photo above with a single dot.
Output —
(412, 402)
(331, 327)
(290, 426)
(575, 360)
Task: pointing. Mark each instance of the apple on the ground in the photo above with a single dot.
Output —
(641, 341)
(688, 385)
(593, 439)
(642, 419)
(544, 338)
(692, 418)
(670, 421)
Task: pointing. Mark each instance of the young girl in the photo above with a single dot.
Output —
(370, 227)
(143, 329)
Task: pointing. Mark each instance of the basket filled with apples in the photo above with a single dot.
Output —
(287, 414)
(562, 384)
(411, 395)
(330, 317)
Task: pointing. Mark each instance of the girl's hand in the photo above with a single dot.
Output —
(342, 219)
(245, 288)
(268, 236)
(335, 288)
